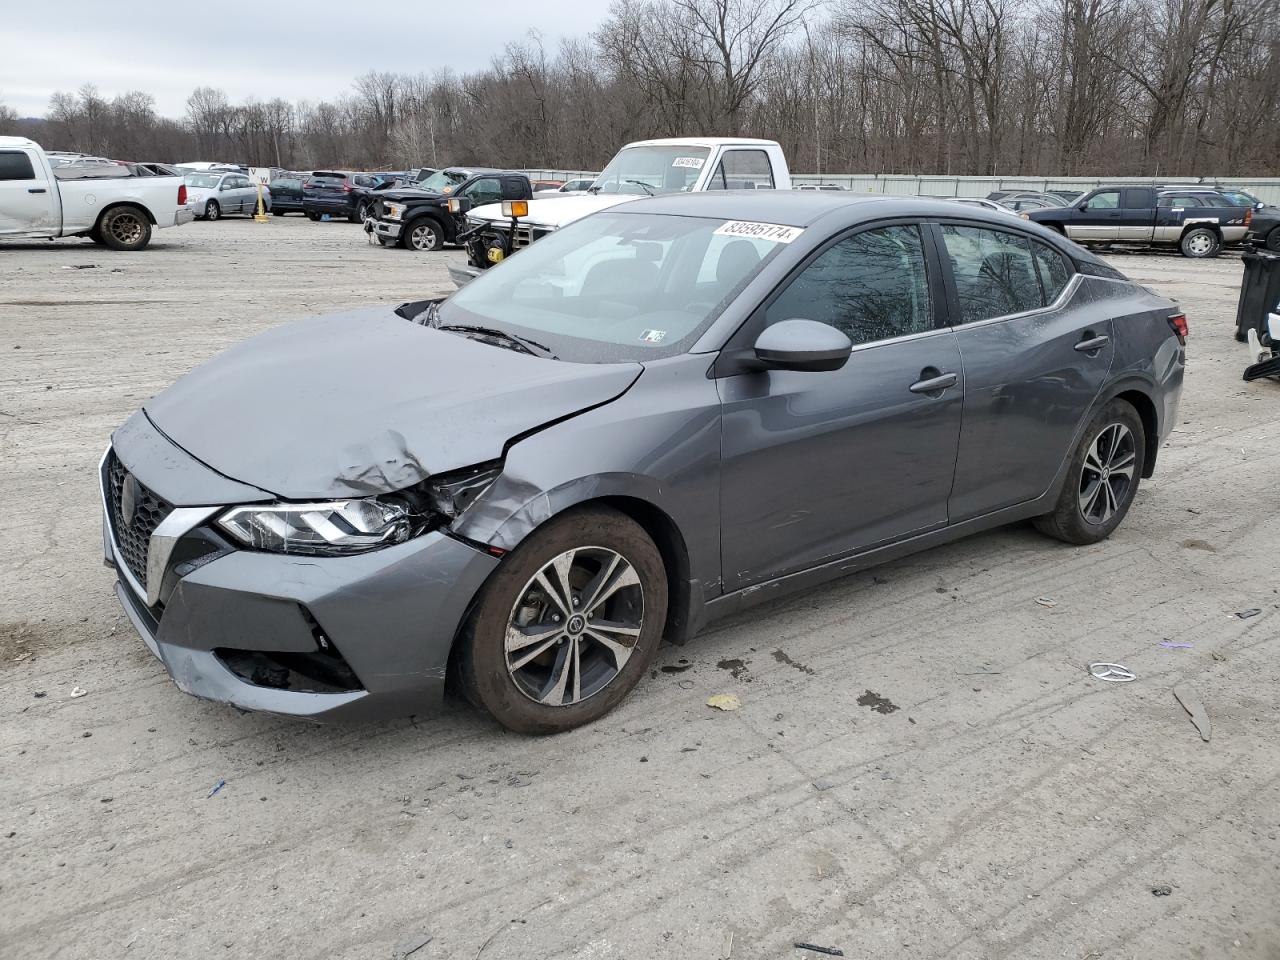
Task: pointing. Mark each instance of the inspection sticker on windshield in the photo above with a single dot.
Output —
(652, 336)
(774, 232)
(694, 162)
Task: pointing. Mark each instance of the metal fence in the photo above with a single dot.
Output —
(1266, 189)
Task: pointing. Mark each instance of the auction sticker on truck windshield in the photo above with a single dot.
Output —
(692, 162)
(774, 232)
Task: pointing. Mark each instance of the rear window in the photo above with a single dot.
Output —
(15, 165)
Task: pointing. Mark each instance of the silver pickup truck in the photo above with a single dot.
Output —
(106, 203)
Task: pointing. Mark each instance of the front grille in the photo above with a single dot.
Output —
(132, 534)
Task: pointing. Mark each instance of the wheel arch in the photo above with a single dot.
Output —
(1141, 400)
(133, 204)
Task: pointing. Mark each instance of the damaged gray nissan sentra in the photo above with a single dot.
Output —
(655, 416)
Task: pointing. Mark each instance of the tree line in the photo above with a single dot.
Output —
(959, 87)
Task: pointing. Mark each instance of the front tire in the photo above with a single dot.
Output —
(1273, 240)
(313, 217)
(424, 236)
(567, 625)
(1200, 243)
(212, 211)
(125, 228)
(1102, 478)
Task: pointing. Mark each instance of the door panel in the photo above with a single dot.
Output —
(1102, 218)
(1137, 214)
(816, 465)
(26, 198)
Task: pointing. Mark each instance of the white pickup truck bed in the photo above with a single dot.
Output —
(109, 205)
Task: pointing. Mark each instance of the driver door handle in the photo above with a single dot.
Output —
(1090, 344)
(934, 384)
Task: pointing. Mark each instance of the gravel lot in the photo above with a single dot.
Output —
(999, 803)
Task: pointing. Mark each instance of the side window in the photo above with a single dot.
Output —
(1054, 270)
(742, 170)
(16, 165)
(512, 188)
(1107, 200)
(872, 285)
(488, 190)
(993, 270)
(1137, 198)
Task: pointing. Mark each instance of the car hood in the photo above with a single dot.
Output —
(367, 402)
(409, 194)
(555, 212)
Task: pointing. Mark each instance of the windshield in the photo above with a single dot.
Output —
(441, 179)
(650, 170)
(614, 287)
(1241, 198)
(206, 181)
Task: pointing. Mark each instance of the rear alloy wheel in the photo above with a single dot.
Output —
(212, 211)
(424, 236)
(1102, 479)
(125, 228)
(567, 625)
(1200, 242)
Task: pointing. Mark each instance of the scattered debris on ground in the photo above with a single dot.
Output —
(1195, 709)
(877, 703)
(1112, 672)
(829, 951)
(724, 701)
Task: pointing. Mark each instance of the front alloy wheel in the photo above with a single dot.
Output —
(425, 236)
(567, 623)
(574, 627)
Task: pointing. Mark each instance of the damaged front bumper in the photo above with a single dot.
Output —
(386, 229)
(333, 638)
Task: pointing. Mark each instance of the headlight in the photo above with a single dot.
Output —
(394, 210)
(334, 528)
(343, 527)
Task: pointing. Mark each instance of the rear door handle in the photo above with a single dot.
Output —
(934, 384)
(1092, 344)
(35, 190)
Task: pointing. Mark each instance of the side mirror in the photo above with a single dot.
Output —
(1084, 205)
(803, 345)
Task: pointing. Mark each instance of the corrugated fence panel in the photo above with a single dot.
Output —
(1266, 189)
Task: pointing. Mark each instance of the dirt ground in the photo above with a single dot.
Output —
(921, 766)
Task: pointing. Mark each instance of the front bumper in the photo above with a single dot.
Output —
(386, 619)
(463, 273)
(388, 229)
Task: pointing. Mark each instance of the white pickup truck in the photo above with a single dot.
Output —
(642, 169)
(107, 204)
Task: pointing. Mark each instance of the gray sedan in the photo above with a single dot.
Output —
(214, 195)
(656, 416)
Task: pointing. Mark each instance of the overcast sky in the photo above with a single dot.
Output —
(297, 51)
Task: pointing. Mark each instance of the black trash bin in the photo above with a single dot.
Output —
(1259, 293)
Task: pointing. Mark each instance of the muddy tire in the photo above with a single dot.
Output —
(1200, 243)
(124, 228)
(567, 624)
(1102, 478)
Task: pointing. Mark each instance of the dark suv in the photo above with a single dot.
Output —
(419, 218)
(286, 193)
(337, 193)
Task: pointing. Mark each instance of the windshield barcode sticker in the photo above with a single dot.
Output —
(773, 232)
(694, 162)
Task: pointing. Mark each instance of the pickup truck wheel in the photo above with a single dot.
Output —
(1273, 240)
(1200, 242)
(314, 217)
(125, 228)
(424, 235)
(96, 236)
(212, 211)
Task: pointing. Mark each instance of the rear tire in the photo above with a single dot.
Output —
(277, 213)
(1200, 243)
(576, 670)
(1273, 240)
(1102, 477)
(124, 228)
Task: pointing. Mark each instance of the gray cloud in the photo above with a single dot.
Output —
(297, 51)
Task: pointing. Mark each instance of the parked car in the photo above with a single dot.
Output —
(980, 202)
(1067, 195)
(330, 192)
(1142, 214)
(154, 169)
(659, 415)
(215, 194)
(819, 186)
(420, 219)
(644, 168)
(117, 210)
(1264, 230)
(1020, 203)
(577, 185)
(286, 193)
(415, 176)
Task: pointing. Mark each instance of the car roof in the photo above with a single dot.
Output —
(704, 142)
(794, 208)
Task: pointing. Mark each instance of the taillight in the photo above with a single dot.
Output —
(182, 195)
(346, 187)
(1178, 324)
